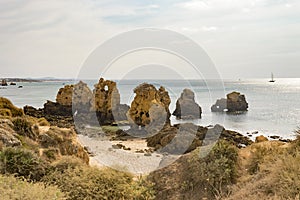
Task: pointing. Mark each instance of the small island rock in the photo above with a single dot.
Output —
(186, 107)
(235, 102)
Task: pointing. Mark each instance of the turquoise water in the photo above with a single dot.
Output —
(274, 108)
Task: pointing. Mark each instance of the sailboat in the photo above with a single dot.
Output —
(272, 78)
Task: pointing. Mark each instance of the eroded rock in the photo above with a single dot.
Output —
(8, 137)
(186, 107)
(235, 102)
(184, 138)
(150, 108)
(106, 102)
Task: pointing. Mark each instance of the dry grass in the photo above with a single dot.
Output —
(272, 171)
(6, 104)
(80, 181)
(43, 122)
(22, 163)
(13, 188)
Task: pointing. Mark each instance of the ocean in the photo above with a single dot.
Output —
(274, 108)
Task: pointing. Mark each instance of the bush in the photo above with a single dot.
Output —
(214, 172)
(43, 122)
(22, 163)
(84, 182)
(24, 126)
(205, 173)
(13, 188)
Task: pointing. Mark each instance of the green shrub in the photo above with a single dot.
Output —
(24, 126)
(13, 188)
(205, 173)
(22, 163)
(213, 173)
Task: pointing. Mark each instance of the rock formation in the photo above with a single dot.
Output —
(186, 107)
(82, 97)
(100, 106)
(64, 95)
(235, 102)
(150, 108)
(8, 109)
(3, 82)
(183, 138)
(8, 137)
(106, 102)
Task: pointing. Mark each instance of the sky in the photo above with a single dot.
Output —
(243, 38)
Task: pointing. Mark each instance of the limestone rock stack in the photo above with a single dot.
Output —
(150, 107)
(235, 102)
(186, 107)
(106, 102)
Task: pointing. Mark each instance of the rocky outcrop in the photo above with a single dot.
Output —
(61, 142)
(186, 107)
(8, 109)
(183, 138)
(3, 82)
(82, 97)
(102, 106)
(235, 102)
(64, 95)
(8, 137)
(106, 102)
(150, 108)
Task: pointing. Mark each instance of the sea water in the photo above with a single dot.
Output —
(274, 108)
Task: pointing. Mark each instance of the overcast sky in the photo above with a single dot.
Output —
(244, 38)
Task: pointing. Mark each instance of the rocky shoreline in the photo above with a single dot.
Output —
(147, 119)
(183, 161)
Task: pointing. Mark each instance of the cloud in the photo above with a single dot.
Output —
(53, 38)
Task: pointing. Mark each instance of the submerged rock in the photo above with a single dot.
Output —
(186, 107)
(150, 108)
(235, 102)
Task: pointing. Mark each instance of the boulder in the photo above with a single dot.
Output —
(235, 102)
(3, 82)
(150, 108)
(184, 138)
(186, 107)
